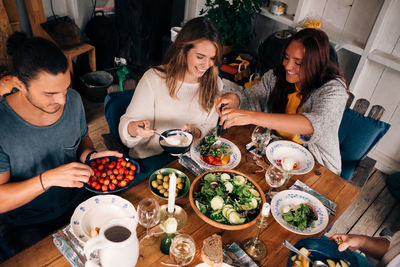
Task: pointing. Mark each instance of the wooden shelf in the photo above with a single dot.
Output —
(284, 19)
(385, 59)
(340, 40)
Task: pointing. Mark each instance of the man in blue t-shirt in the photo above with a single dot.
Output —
(43, 144)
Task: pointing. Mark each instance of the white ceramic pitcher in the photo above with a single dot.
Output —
(117, 244)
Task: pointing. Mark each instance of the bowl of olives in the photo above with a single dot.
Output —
(159, 183)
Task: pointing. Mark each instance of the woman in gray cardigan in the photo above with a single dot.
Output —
(302, 99)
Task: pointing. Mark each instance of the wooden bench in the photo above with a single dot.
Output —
(366, 166)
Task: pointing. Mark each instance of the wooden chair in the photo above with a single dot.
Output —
(36, 17)
(366, 165)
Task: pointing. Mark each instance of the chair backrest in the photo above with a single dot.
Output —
(359, 134)
(115, 105)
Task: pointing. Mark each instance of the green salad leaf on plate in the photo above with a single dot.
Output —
(227, 198)
(301, 216)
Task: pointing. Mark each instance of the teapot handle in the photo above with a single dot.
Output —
(97, 242)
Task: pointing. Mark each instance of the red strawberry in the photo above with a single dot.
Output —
(120, 177)
(133, 167)
(114, 181)
(104, 188)
(97, 187)
(111, 187)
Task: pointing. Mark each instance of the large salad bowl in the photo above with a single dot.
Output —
(240, 212)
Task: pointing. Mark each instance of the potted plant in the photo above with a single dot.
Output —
(233, 19)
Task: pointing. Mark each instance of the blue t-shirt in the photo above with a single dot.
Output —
(27, 150)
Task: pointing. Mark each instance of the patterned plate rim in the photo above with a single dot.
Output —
(323, 217)
(233, 163)
(82, 208)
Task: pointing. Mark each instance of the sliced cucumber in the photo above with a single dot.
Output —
(241, 220)
(234, 218)
(239, 180)
(217, 203)
(228, 212)
(225, 177)
(254, 203)
(228, 187)
(254, 192)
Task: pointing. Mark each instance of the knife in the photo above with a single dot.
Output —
(80, 256)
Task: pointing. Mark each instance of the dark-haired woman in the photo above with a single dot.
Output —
(302, 99)
(181, 93)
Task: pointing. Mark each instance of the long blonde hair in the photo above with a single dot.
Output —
(175, 62)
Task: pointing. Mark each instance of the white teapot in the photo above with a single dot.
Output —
(117, 244)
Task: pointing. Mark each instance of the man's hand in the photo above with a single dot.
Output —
(140, 128)
(69, 175)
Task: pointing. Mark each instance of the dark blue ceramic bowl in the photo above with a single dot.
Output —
(118, 189)
(176, 150)
(324, 249)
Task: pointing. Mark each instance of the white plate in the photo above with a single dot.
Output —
(281, 149)
(293, 198)
(236, 156)
(97, 211)
(206, 265)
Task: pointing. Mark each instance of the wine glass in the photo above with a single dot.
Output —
(275, 178)
(260, 139)
(182, 249)
(149, 216)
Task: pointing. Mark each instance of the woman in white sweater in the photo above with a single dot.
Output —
(180, 93)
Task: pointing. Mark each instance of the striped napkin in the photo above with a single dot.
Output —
(66, 249)
(241, 254)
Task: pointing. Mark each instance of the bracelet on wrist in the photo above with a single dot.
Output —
(41, 182)
(87, 159)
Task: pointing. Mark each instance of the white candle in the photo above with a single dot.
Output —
(172, 190)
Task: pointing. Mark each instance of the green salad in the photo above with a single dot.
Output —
(302, 216)
(227, 198)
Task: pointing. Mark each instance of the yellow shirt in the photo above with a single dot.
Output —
(291, 108)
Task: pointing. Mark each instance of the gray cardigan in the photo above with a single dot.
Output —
(324, 109)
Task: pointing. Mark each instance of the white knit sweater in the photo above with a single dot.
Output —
(151, 101)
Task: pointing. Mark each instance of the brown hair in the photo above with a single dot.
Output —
(318, 69)
(175, 62)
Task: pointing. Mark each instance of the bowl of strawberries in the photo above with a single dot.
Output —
(112, 174)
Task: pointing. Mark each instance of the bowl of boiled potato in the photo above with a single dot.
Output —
(159, 183)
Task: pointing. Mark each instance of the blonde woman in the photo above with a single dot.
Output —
(181, 93)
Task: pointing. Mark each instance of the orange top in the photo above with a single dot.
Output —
(291, 108)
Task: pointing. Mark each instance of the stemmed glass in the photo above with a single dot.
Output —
(182, 249)
(149, 216)
(275, 178)
(260, 139)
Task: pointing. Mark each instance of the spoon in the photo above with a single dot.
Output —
(316, 263)
(170, 140)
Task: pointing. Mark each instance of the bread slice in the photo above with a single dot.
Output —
(211, 252)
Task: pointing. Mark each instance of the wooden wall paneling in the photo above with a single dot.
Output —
(368, 80)
(336, 13)
(396, 50)
(390, 143)
(389, 34)
(387, 93)
(312, 9)
(358, 25)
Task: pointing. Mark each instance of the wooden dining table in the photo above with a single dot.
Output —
(322, 180)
